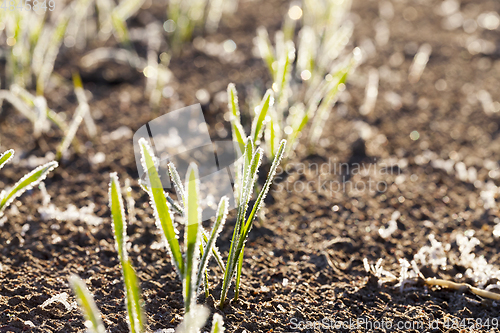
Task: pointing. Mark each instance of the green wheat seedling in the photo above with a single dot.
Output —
(22, 30)
(25, 183)
(190, 268)
(93, 316)
(306, 78)
(194, 319)
(207, 241)
(192, 322)
(185, 16)
(34, 108)
(162, 208)
(258, 122)
(82, 113)
(244, 222)
(133, 302)
(31, 107)
(33, 42)
(132, 291)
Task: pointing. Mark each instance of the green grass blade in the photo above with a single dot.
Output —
(258, 122)
(173, 205)
(27, 183)
(238, 134)
(176, 179)
(249, 179)
(133, 298)
(272, 136)
(216, 229)
(300, 119)
(132, 291)
(242, 186)
(252, 172)
(93, 320)
(328, 101)
(216, 254)
(127, 8)
(265, 49)
(6, 157)
(238, 274)
(283, 76)
(121, 30)
(238, 131)
(204, 272)
(23, 101)
(81, 110)
(249, 150)
(118, 216)
(120, 14)
(266, 187)
(233, 105)
(160, 207)
(217, 324)
(193, 218)
(205, 284)
(326, 96)
(82, 102)
(246, 228)
(52, 51)
(245, 188)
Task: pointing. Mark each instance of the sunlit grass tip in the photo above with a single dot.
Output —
(93, 321)
(25, 183)
(132, 290)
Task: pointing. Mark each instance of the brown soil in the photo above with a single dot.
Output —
(304, 260)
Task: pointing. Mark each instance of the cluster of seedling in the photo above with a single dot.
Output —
(35, 36)
(307, 75)
(191, 263)
(187, 15)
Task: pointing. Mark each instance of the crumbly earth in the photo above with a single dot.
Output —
(304, 260)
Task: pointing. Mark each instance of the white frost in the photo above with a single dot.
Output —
(61, 298)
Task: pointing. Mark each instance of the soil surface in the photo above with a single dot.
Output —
(304, 261)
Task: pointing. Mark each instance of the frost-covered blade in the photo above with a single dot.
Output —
(118, 216)
(216, 229)
(26, 183)
(133, 298)
(162, 213)
(6, 157)
(192, 240)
